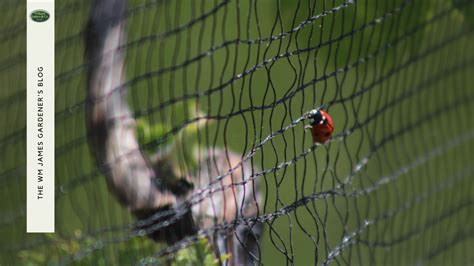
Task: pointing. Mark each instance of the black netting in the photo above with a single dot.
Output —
(222, 88)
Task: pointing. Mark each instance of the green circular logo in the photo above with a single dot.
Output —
(39, 15)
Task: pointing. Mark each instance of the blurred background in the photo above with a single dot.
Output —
(393, 185)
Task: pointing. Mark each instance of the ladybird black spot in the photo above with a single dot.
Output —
(317, 116)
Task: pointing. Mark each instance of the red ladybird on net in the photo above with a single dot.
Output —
(321, 126)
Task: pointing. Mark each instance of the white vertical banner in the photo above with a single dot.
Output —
(40, 116)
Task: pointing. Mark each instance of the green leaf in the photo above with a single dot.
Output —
(200, 253)
(147, 134)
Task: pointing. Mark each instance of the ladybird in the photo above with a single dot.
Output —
(321, 126)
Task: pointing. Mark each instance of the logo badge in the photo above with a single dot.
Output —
(39, 15)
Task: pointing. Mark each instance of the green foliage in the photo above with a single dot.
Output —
(146, 133)
(43, 256)
(177, 147)
(467, 11)
(200, 253)
(125, 252)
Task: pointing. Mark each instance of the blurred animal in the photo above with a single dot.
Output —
(150, 187)
(233, 197)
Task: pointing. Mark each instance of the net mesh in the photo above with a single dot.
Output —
(393, 184)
